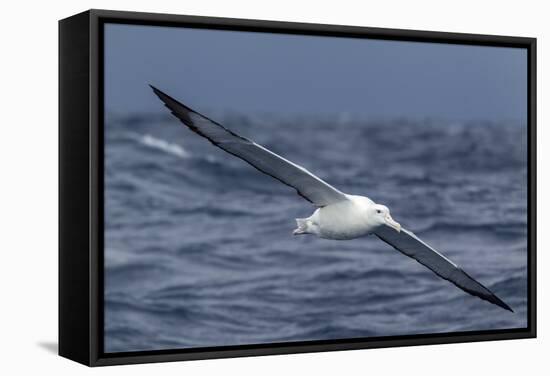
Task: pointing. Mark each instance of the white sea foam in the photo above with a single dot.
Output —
(162, 145)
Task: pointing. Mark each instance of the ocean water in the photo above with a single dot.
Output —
(199, 248)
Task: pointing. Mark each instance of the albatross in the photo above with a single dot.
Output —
(338, 215)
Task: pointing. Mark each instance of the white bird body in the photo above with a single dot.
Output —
(348, 219)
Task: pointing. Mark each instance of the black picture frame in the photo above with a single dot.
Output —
(81, 186)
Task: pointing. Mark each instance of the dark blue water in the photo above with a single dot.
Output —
(199, 251)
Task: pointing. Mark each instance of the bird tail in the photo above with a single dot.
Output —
(303, 225)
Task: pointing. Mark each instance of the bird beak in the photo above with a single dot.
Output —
(390, 222)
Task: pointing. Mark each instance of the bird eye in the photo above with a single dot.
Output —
(379, 211)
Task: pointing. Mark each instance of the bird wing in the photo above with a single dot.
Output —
(408, 243)
(306, 184)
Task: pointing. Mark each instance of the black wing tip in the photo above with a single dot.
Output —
(176, 107)
(497, 301)
(154, 88)
(488, 296)
(162, 95)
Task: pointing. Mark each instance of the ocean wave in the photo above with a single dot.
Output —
(357, 275)
(219, 211)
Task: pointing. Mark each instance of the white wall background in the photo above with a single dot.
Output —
(28, 189)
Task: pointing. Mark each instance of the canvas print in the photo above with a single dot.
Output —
(269, 188)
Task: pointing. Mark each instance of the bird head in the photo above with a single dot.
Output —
(381, 216)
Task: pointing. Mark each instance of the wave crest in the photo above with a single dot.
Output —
(160, 144)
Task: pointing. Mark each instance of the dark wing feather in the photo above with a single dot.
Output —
(408, 243)
(306, 184)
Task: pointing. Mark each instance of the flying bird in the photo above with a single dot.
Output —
(337, 215)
